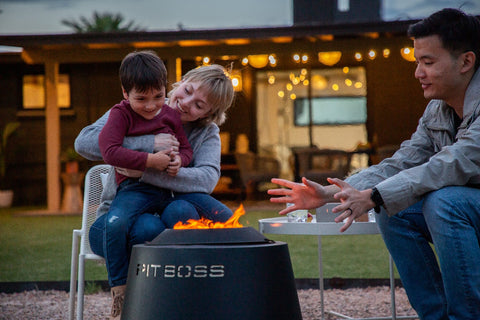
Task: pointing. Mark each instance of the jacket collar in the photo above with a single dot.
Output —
(472, 97)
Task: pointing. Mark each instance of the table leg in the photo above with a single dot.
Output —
(392, 287)
(392, 290)
(320, 277)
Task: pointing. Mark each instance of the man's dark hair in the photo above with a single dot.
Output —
(143, 70)
(459, 32)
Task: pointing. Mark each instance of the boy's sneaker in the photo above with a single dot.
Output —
(118, 295)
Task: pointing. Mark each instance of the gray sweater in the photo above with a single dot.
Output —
(200, 176)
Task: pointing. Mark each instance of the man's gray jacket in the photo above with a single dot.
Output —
(436, 155)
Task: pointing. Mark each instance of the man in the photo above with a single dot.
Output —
(429, 190)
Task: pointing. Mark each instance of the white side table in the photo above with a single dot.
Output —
(281, 225)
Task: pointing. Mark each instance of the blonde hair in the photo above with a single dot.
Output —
(215, 81)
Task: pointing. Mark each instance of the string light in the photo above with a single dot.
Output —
(236, 77)
(386, 53)
(272, 60)
(407, 54)
(271, 79)
(258, 60)
(319, 82)
(329, 58)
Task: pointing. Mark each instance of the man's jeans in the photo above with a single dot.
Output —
(135, 216)
(450, 218)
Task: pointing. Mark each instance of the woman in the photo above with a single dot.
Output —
(202, 98)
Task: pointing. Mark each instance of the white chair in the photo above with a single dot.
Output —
(92, 193)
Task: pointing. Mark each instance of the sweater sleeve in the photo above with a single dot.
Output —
(185, 150)
(86, 143)
(203, 173)
(110, 141)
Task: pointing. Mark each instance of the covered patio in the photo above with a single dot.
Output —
(91, 61)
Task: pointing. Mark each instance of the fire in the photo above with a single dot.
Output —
(204, 223)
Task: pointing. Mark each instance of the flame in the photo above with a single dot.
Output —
(204, 223)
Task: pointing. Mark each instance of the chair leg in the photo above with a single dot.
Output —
(81, 286)
(73, 274)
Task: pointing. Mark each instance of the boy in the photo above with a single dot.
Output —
(143, 79)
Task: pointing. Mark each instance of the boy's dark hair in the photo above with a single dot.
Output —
(459, 32)
(143, 70)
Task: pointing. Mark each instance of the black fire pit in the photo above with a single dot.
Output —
(212, 274)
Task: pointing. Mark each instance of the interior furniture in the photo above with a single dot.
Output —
(255, 169)
(319, 164)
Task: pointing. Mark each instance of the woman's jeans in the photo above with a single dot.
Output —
(138, 214)
(450, 219)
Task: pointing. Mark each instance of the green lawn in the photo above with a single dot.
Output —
(38, 248)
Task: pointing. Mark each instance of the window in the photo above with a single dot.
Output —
(34, 91)
(331, 111)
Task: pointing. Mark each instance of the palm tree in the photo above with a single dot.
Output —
(101, 22)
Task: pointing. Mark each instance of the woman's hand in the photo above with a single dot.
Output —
(354, 203)
(306, 195)
(165, 141)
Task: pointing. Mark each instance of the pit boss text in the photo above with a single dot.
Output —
(180, 271)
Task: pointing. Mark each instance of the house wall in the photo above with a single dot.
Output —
(395, 100)
(94, 89)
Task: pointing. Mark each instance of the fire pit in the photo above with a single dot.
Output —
(211, 274)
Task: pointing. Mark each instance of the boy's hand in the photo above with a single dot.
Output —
(159, 160)
(174, 165)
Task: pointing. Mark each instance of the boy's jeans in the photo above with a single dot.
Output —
(135, 216)
(450, 218)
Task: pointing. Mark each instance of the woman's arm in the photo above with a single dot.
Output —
(86, 143)
(203, 173)
(201, 176)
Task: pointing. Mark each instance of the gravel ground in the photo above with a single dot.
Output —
(359, 303)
